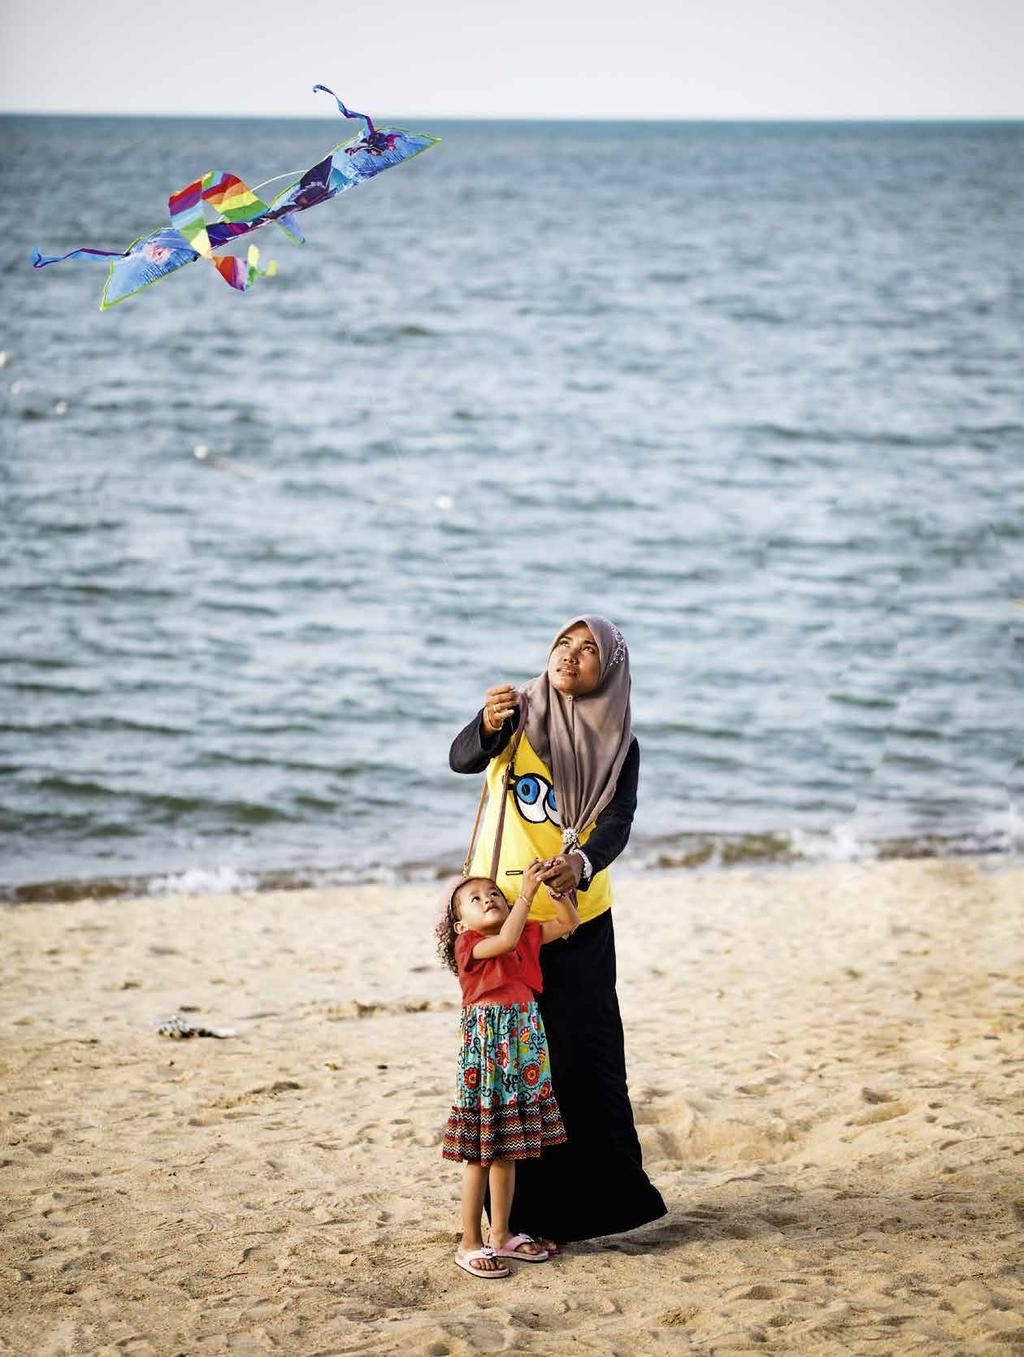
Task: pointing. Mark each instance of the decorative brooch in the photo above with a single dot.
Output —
(620, 647)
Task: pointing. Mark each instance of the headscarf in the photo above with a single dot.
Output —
(583, 740)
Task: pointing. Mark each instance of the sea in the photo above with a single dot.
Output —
(752, 390)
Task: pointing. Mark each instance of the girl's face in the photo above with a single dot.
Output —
(574, 665)
(481, 906)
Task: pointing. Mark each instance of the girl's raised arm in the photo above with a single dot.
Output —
(566, 920)
(512, 929)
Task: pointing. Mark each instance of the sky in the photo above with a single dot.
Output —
(492, 58)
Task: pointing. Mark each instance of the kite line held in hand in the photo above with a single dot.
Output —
(239, 211)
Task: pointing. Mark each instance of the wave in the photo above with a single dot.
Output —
(51, 588)
(378, 335)
(210, 758)
(883, 438)
(107, 723)
(874, 438)
(706, 852)
(166, 805)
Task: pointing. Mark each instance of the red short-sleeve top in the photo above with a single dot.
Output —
(513, 978)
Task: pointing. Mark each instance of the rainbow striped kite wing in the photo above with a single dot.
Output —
(241, 211)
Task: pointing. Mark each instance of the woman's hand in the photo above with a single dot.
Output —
(563, 873)
(499, 704)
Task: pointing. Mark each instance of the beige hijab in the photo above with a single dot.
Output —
(583, 740)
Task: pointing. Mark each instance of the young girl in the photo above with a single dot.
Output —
(504, 1106)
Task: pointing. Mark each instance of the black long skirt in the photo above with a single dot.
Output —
(595, 1183)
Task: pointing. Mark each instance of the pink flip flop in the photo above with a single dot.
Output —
(511, 1250)
(465, 1261)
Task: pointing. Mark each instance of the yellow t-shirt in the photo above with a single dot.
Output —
(531, 831)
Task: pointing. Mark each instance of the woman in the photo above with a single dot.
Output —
(571, 800)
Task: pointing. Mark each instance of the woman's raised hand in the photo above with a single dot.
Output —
(499, 704)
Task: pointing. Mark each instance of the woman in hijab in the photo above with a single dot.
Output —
(571, 800)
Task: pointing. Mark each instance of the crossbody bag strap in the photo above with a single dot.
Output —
(476, 826)
(506, 780)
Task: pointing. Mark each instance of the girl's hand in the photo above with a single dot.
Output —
(563, 873)
(499, 704)
(533, 875)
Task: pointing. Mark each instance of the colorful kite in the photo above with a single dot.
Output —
(190, 236)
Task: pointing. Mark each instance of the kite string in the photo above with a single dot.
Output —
(458, 589)
(288, 174)
(390, 502)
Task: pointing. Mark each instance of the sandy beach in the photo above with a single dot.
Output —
(826, 1064)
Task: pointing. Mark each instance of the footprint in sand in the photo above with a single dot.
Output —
(355, 1008)
(881, 1112)
(678, 1316)
(769, 1085)
(257, 1094)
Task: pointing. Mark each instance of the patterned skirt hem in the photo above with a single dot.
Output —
(512, 1131)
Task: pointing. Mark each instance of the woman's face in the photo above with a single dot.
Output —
(574, 665)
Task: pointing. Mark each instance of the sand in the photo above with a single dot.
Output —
(826, 1067)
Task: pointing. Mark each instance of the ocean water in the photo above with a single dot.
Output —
(752, 390)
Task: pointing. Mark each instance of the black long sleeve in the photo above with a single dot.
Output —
(611, 829)
(472, 750)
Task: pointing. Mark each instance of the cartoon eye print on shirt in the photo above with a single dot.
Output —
(535, 799)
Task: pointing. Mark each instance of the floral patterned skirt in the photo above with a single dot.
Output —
(504, 1105)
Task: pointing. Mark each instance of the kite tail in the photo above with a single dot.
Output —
(241, 274)
(40, 261)
(370, 129)
(253, 270)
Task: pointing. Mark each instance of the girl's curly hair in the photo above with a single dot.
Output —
(444, 932)
(444, 929)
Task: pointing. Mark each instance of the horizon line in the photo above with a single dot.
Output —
(536, 118)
